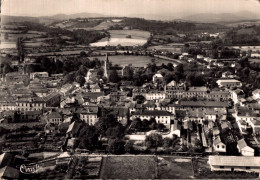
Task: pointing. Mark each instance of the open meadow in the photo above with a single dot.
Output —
(129, 167)
(171, 167)
(136, 61)
(124, 38)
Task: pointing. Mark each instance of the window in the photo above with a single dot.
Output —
(223, 146)
(217, 146)
(221, 167)
(247, 167)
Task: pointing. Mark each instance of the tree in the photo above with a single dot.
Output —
(136, 124)
(197, 143)
(83, 70)
(29, 68)
(167, 142)
(170, 66)
(153, 140)
(105, 122)
(115, 146)
(113, 77)
(129, 72)
(115, 132)
(100, 72)
(46, 63)
(83, 54)
(88, 137)
(179, 68)
(6, 69)
(81, 80)
(160, 127)
(168, 78)
(145, 123)
(129, 146)
(26, 82)
(140, 99)
(152, 123)
(137, 82)
(69, 78)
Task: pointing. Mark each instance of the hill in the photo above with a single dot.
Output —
(223, 17)
(47, 19)
(73, 16)
(9, 19)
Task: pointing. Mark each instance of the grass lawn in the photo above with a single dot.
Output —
(135, 34)
(136, 61)
(174, 167)
(129, 167)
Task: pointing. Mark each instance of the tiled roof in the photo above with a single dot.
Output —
(227, 80)
(5, 159)
(241, 143)
(217, 140)
(153, 113)
(203, 89)
(204, 103)
(88, 110)
(9, 172)
(54, 115)
(257, 91)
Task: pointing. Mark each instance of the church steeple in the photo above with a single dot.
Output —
(106, 66)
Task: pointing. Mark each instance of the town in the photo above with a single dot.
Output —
(175, 101)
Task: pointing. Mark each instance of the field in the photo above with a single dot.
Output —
(7, 45)
(34, 44)
(129, 167)
(246, 48)
(175, 168)
(117, 37)
(251, 60)
(166, 48)
(136, 61)
(19, 125)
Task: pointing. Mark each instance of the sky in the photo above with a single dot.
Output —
(178, 8)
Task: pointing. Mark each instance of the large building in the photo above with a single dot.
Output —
(163, 117)
(89, 114)
(229, 83)
(234, 163)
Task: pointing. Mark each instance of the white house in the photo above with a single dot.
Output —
(155, 95)
(157, 77)
(176, 128)
(256, 94)
(218, 145)
(89, 115)
(54, 117)
(229, 83)
(163, 117)
(244, 149)
(39, 75)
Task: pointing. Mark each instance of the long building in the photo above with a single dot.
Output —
(234, 163)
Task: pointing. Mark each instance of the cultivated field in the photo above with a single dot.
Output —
(117, 37)
(129, 167)
(136, 61)
(173, 49)
(135, 34)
